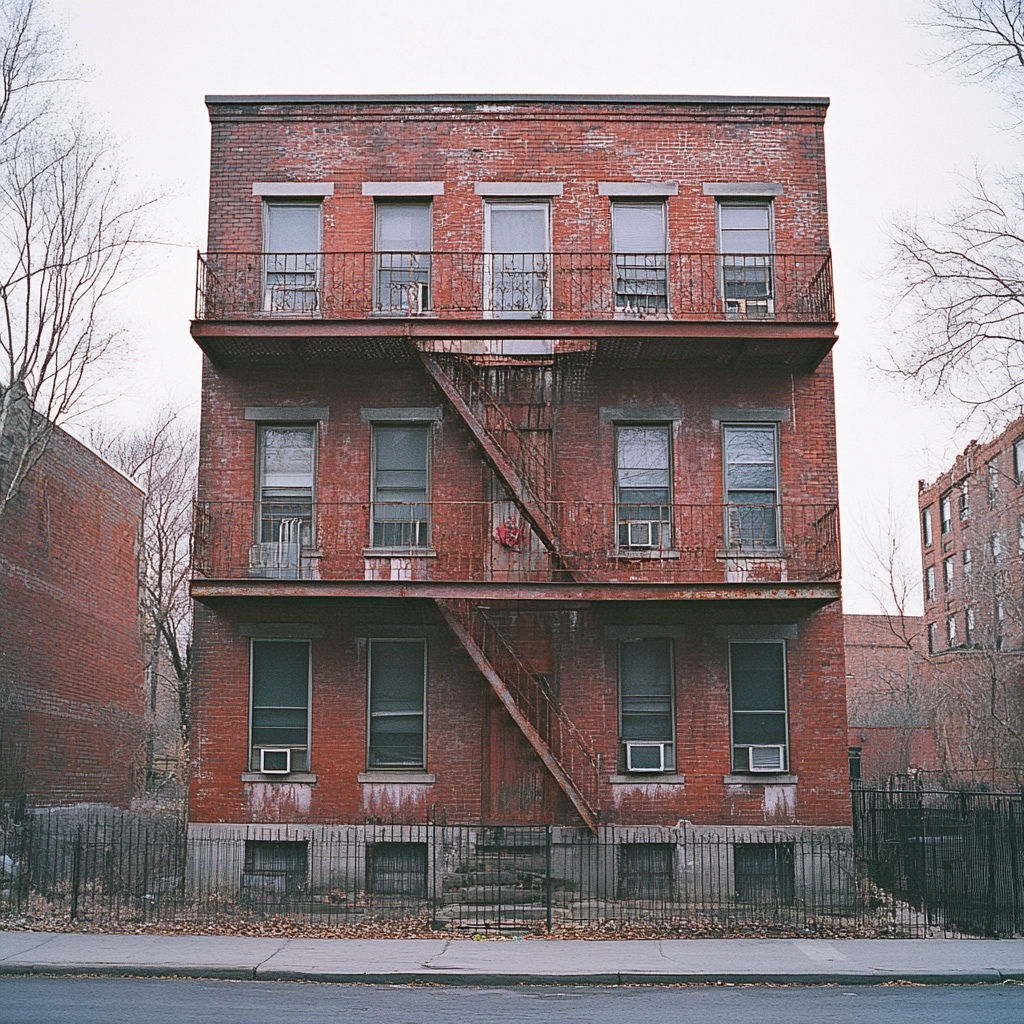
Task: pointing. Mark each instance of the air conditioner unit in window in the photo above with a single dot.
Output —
(751, 308)
(645, 757)
(643, 533)
(275, 761)
(767, 758)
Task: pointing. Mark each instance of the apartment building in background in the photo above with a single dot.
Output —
(518, 492)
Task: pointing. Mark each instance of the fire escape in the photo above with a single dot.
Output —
(522, 467)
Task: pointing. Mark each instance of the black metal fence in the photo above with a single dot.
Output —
(918, 864)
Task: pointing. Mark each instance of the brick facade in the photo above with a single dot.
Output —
(71, 709)
(567, 388)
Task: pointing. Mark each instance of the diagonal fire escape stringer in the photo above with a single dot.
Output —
(516, 482)
(576, 770)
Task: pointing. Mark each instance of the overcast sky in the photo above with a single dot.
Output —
(898, 133)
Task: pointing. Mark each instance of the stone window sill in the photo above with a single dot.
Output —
(760, 779)
(399, 552)
(398, 778)
(642, 554)
(306, 778)
(765, 554)
(653, 778)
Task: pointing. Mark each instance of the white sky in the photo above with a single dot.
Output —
(897, 133)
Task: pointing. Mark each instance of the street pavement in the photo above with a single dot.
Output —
(448, 961)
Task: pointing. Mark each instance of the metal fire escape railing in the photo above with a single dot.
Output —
(517, 461)
(527, 697)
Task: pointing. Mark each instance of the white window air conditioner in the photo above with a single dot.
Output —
(767, 758)
(750, 308)
(645, 757)
(643, 533)
(275, 761)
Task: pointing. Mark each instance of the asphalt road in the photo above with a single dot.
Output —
(39, 1000)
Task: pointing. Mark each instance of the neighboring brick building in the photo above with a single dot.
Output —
(72, 725)
(890, 692)
(518, 486)
(972, 547)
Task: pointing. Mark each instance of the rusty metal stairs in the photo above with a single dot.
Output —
(527, 697)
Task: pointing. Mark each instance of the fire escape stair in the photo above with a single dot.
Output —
(524, 693)
(513, 473)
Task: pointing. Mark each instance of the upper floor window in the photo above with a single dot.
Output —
(965, 503)
(287, 474)
(993, 484)
(947, 574)
(402, 240)
(516, 270)
(279, 705)
(401, 466)
(996, 546)
(929, 583)
(751, 485)
(396, 736)
(639, 240)
(967, 564)
(951, 631)
(945, 513)
(926, 526)
(757, 674)
(932, 648)
(646, 721)
(643, 486)
(1018, 460)
(292, 241)
(745, 241)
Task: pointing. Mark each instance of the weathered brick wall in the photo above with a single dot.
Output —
(582, 664)
(577, 144)
(71, 710)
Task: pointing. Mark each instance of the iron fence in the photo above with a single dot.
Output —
(491, 541)
(787, 287)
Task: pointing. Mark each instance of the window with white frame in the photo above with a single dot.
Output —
(967, 564)
(932, 648)
(1020, 535)
(951, 631)
(947, 574)
(400, 485)
(639, 242)
(286, 464)
(402, 242)
(926, 526)
(517, 266)
(280, 677)
(965, 502)
(760, 734)
(646, 718)
(969, 623)
(996, 546)
(292, 243)
(993, 485)
(1018, 460)
(945, 513)
(751, 485)
(929, 583)
(396, 733)
(745, 242)
(643, 486)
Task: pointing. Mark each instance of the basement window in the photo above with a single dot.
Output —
(764, 873)
(396, 869)
(646, 871)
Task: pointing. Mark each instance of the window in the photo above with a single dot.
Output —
(396, 869)
(969, 623)
(951, 631)
(965, 503)
(854, 754)
(926, 526)
(645, 705)
(745, 241)
(1020, 535)
(396, 734)
(967, 564)
(947, 574)
(647, 871)
(764, 873)
(287, 472)
(931, 638)
(643, 486)
(641, 269)
(996, 546)
(751, 476)
(401, 467)
(292, 243)
(1018, 460)
(279, 688)
(516, 285)
(929, 583)
(274, 868)
(757, 674)
(945, 514)
(993, 485)
(402, 243)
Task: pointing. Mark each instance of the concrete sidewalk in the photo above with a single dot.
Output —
(524, 962)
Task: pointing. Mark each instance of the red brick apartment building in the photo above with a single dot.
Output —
(972, 548)
(518, 484)
(72, 724)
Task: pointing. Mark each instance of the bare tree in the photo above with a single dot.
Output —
(69, 237)
(958, 279)
(162, 458)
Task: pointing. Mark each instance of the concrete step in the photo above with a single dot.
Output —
(511, 894)
(462, 879)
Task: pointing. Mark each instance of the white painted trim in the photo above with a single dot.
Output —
(518, 188)
(403, 188)
(742, 188)
(293, 188)
(638, 188)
